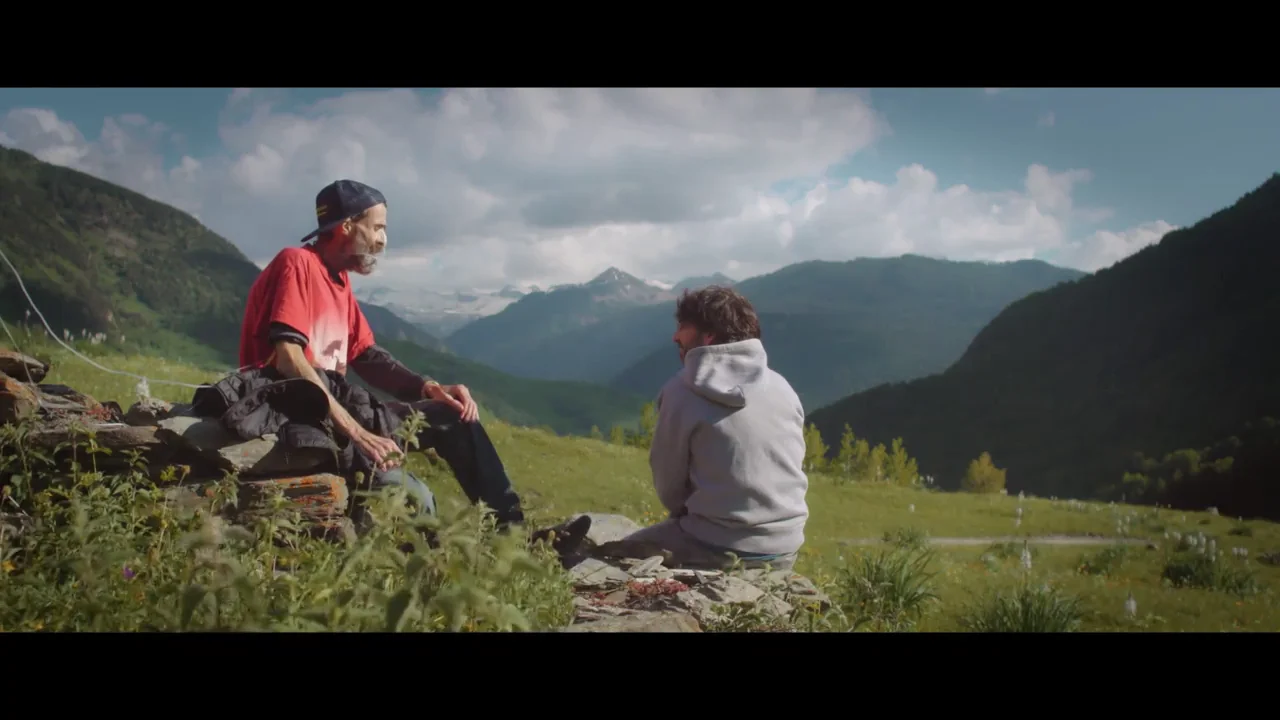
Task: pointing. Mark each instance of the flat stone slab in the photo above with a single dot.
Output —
(258, 457)
(644, 621)
(607, 528)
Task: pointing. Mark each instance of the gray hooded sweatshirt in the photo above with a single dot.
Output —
(728, 450)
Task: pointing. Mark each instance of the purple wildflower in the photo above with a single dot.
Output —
(128, 573)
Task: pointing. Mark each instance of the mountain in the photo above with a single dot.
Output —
(1174, 347)
(438, 313)
(695, 283)
(525, 338)
(387, 325)
(833, 328)
(100, 258)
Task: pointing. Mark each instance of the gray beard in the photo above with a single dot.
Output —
(362, 263)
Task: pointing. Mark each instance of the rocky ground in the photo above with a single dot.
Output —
(643, 595)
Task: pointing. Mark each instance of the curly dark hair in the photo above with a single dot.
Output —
(719, 311)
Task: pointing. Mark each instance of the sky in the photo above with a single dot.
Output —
(544, 186)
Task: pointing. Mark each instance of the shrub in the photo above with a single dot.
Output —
(889, 590)
(983, 476)
(1207, 571)
(907, 538)
(1104, 562)
(1026, 608)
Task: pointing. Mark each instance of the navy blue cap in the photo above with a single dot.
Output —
(341, 200)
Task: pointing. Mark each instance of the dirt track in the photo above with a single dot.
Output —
(1034, 540)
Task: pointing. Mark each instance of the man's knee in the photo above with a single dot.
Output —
(418, 491)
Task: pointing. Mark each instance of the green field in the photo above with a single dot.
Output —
(559, 476)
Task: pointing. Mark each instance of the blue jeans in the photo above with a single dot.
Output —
(471, 456)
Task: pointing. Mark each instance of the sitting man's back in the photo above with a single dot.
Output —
(728, 448)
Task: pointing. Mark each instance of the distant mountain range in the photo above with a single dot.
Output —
(439, 313)
(443, 313)
(832, 328)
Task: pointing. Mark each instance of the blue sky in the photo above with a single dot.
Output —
(1176, 154)
(1155, 156)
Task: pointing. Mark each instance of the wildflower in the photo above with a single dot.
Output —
(1018, 512)
(1131, 606)
(7, 566)
(1026, 557)
(1017, 522)
(911, 508)
(128, 573)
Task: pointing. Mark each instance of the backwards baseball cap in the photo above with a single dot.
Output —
(341, 200)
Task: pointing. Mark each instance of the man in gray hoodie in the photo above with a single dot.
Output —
(728, 447)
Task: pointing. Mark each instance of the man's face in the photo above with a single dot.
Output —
(687, 338)
(356, 249)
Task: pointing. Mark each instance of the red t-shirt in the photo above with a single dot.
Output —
(298, 290)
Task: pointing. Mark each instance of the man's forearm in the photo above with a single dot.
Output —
(291, 362)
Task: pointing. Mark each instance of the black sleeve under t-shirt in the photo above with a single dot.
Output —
(375, 366)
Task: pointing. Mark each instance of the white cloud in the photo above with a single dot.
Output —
(1104, 248)
(493, 187)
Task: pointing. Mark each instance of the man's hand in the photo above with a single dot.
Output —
(457, 397)
(384, 452)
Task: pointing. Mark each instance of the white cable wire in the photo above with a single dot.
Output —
(54, 335)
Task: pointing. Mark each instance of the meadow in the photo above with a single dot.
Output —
(115, 554)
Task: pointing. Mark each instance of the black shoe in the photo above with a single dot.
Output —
(566, 538)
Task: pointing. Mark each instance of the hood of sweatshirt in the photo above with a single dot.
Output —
(723, 373)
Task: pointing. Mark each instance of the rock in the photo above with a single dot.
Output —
(118, 437)
(77, 398)
(148, 412)
(639, 594)
(320, 499)
(12, 527)
(647, 567)
(607, 528)
(17, 400)
(645, 621)
(258, 457)
(593, 573)
(22, 367)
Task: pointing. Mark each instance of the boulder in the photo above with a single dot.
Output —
(22, 367)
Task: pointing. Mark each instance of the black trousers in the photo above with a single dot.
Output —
(470, 454)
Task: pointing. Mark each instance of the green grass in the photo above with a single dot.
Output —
(982, 587)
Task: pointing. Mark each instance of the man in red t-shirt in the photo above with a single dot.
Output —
(302, 318)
